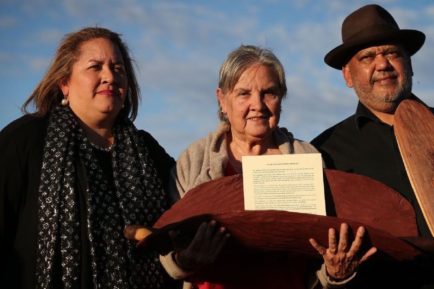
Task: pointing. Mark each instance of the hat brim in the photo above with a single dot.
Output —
(412, 40)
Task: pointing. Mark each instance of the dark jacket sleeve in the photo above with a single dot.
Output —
(21, 145)
(162, 160)
(10, 170)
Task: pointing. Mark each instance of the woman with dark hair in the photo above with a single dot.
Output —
(75, 172)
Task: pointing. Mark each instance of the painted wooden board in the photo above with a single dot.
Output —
(359, 200)
(414, 131)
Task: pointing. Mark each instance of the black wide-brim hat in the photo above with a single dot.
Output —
(371, 25)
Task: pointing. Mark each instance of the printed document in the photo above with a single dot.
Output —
(291, 182)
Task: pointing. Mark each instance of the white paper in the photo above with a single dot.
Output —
(291, 182)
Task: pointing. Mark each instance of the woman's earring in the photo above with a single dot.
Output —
(64, 102)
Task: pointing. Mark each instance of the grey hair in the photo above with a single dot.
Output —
(239, 60)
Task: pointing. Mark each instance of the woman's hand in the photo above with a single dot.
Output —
(340, 259)
(136, 232)
(203, 250)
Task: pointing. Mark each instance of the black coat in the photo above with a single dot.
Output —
(21, 151)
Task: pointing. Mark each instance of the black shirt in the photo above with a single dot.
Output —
(364, 145)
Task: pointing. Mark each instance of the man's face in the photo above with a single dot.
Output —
(381, 76)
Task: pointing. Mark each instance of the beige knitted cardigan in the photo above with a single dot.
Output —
(205, 160)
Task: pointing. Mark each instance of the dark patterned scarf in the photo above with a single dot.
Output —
(136, 197)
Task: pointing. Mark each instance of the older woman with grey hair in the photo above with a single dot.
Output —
(250, 93)
(251, 89)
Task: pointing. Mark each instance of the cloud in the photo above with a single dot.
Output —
(7, 21)
(179, 47)
(186, 103)
(39, 64)
(430, 10)
(50, 37)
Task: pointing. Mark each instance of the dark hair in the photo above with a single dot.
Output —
(48, 94)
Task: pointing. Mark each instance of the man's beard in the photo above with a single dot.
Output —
(390, 101)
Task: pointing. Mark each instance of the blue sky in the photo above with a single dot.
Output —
(178, 47)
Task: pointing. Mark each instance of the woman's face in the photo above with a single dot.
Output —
(253, 106)
(98, 84)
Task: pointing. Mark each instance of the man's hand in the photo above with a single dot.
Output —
(340, 259)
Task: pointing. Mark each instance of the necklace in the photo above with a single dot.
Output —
(104, 149)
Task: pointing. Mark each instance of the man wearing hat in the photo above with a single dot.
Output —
(375, 61)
